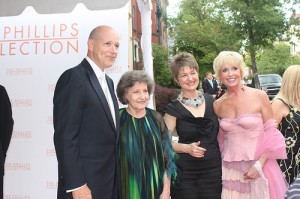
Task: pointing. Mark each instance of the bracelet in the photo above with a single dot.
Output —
(258, 167)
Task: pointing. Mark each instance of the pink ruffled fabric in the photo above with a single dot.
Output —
(242, 141)
(271, 142)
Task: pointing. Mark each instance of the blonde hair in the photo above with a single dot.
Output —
(228, 57)
(290, 86)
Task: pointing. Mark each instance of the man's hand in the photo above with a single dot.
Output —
(82, 193)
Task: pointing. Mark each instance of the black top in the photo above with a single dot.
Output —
(197, 177)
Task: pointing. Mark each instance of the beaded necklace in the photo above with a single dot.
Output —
(191, 102)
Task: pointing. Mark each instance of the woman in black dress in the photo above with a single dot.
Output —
(286, 111)
(191, 115)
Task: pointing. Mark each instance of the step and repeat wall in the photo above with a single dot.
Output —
(34, 50)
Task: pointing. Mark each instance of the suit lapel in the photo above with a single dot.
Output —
(115, 101)
(95, 83)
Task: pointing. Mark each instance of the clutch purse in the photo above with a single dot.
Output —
(259, 186)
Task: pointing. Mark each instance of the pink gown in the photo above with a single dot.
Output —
(242, 141)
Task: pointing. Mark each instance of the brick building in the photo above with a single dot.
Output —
(159, 29)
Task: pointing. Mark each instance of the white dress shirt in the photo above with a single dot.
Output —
(102, 81)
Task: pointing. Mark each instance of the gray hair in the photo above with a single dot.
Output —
(129, 79)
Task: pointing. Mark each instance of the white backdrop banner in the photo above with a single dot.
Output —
(145, 8)
(34, 51)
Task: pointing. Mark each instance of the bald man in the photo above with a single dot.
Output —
(86, 123)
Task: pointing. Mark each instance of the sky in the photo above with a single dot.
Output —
(172, 9)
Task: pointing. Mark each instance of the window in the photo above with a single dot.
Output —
(135, 51)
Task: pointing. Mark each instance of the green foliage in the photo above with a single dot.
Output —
(199, 29)
(293, 18)
(206, 27)
(263, 22)
(162, 74)
(276, 59)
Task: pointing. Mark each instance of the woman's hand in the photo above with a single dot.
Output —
(252, 173)
(166, 189)
(164, 195)
(194, 149)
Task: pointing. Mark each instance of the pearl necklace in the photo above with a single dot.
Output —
(192, 102)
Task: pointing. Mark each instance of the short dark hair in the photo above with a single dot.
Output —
(129, 79)
(180, 60)
(208, 72)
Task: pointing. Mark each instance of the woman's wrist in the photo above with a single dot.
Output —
(165, 191)
(262, 160)
(183, 148)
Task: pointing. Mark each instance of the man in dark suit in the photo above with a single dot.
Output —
(6, 128)
(86, 123)
(210, 85)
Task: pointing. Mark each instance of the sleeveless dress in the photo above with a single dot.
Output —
(289, 127)
(197, 177)
(242, 142)
(145, 154)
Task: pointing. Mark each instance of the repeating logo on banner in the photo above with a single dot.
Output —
(13, 196)
(35, 49)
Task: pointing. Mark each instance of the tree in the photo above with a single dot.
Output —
(162, 74)
(165, 89)
(199, 29)
(276, 59)
(205, 28)
(258, 23)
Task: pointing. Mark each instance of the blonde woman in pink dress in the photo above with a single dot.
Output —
(247, 134)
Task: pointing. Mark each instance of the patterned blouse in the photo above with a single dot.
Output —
(289, 127)
(146, 153)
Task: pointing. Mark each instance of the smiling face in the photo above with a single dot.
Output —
(228, 59)
(137, 97)
(103, 47)
(209, 76)
(230, 75)
(188, 78)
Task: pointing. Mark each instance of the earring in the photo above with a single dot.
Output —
(242, 87)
